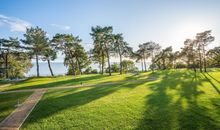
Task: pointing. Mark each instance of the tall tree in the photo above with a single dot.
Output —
(76, 57)
(190, 53)
(153, 49)
(64, 43)
(143, 54)
(49, 54)
(36, 41)
(81, 57)
(176, 56)
(164, 59)
(98, 50)
(99, 56)
(103, 39)
(8, 46)
(121, 48)
(203, 39)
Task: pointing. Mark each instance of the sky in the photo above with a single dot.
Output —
(167, 22)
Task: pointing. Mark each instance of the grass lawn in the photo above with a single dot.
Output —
(47, 82)
(8, 102)
(176, 100)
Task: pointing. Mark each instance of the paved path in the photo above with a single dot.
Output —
(16, 118)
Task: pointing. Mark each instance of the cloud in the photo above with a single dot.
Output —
(15, 24)
(62, 27)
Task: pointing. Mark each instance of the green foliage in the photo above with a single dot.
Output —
(94, 71)
(214, 57)
(114, 68)
(102, 41)
(128, 66)
(194, 51)
(164, 60)
(179, 65)
(89, 70)
(189, 54)
(35, 41)
(121, 48)
(147, 50)
(14, 62)
(19, 65)
(49, 52)
(76, 57)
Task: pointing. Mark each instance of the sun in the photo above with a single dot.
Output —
(189, 29)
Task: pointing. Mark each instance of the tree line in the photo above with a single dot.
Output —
(16, 54)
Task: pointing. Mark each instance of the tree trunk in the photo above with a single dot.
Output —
(126, 68)
(120, 57)
(108, 57)
(145, 67)
(100, 67)
(200, 61)
(194, 67)
(38, 73)
(103, 62)
(6, 65)
(163, 62)
(204, 59)
(80, 71)
(74, 71)
(51, 71)
(142, 66)
(205, 65)
(120, 63)
(187, 62)
(109, 66)
(152, 61)
(72, 63)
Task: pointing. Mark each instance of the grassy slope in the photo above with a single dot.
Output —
(8, 102)
(177, 100)
(46, 82)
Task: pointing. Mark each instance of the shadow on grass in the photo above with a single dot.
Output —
(72, 98)
(213, 85)
(69, 82)
(178, 109)
(73, 81)
(213, 78)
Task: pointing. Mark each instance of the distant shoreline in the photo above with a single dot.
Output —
(59, 68)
